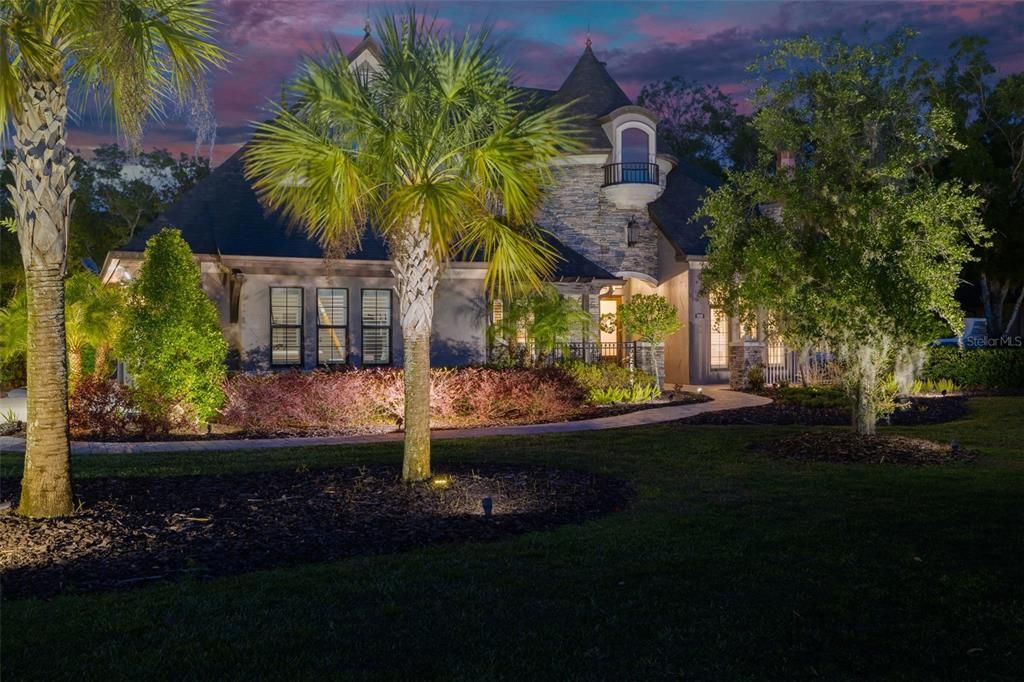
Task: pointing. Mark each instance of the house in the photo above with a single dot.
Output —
(619, 215)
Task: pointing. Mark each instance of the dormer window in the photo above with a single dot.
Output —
(634, 160)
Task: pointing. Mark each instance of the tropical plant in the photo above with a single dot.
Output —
(652, 319)
(92, 315)
(545, 318)
(437, 151)
(171, 342)
(855, 247)
(92, 318)
(134, 56)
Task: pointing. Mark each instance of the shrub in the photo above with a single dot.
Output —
(610, 383)
(926, 386)
(814, 396)
(171, 340)
(103, 408)
(997, 368)
(363, 398)
(755, 377)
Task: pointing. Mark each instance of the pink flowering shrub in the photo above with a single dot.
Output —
(359, 398)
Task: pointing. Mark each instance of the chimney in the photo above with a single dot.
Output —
(785, 160)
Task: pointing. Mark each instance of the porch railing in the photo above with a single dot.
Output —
(624, 353)
(784, 365)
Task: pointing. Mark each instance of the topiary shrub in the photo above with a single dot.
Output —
(171, 341)
(977, 368)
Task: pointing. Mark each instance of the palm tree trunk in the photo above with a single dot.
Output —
(100, 365)
(46, 484)
(416, 273)
(42, 169)
(74, 365)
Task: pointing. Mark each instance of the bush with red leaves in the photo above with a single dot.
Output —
(105, 409)
(361, 398)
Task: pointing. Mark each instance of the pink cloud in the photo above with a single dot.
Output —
(675, 31)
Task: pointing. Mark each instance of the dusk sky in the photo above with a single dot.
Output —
(708, 42)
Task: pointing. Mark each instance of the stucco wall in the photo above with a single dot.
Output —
(459, 318)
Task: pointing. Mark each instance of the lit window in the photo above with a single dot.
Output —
(285, 325)
(332, 326)
(719, 339)
(776, 354)
(376, 315)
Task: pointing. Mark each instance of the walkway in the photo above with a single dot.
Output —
(723, 399)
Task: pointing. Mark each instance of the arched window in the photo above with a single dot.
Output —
(636, 146)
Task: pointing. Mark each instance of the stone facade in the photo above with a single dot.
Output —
(744, 355)
(577, 211)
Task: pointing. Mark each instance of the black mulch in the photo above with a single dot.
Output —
(849, 447)
(918, 411)
(140, 531)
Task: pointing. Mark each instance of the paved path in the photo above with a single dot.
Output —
(723, 399)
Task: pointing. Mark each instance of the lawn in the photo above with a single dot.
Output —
(729, 566)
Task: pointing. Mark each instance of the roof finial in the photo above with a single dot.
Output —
(588, 35)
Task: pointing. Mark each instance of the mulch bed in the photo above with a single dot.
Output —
(140, 531)
(919, 411)
(848, 447)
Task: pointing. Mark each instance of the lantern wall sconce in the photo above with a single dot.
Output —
(632, 232)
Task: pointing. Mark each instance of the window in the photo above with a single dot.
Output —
(719, 339)
(332, 326)
(376, 326)
(776, 354)
(635, 146)
(285, 325)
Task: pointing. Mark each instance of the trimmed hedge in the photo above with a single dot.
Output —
(360, 398)
(997, 368)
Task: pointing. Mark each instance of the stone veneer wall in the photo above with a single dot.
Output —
(742, 356)
(578, 213)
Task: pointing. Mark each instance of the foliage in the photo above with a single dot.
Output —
(363, 398)
(607, 382)
(650, 318)
(701, 124)
(116, 194)
(978, 368)
(931, 387)
(989, 119)
(171, 341)
(438, 141)
(92, 314)
(543, 318)
(101, 409)
(755, 378)
(814, 396)
(825, 244)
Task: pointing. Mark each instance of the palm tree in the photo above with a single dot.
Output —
(437, 152)
(92, 317)
(132, 55)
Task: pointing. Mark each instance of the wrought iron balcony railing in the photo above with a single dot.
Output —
(635, 172)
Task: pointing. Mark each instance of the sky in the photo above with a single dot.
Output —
(641, 42)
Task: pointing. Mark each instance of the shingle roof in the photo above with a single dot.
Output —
(684, 190)
(595, 93)
(221, 215)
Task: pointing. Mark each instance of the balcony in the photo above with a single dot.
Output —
(632, 185)
(631, 173)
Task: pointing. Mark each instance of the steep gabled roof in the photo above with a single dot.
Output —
(684, 189)
(594, 93)
(221, 215)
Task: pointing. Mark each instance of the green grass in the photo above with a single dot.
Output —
(729, 566)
